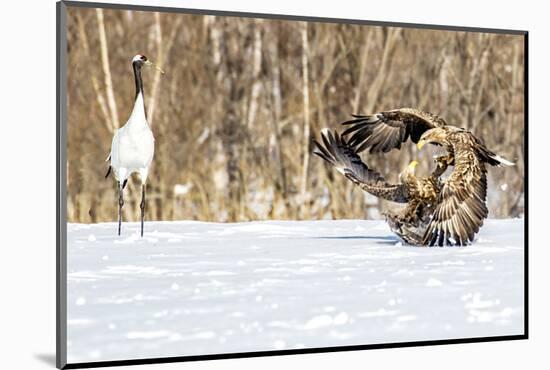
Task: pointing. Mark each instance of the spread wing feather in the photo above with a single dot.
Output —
(384, 131)
(461, 206)
(336, 150)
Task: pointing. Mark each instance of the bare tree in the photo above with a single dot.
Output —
(107, 70)
(305, 94)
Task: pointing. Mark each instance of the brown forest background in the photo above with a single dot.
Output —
(234, 115)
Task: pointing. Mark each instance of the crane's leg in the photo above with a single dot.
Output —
(142, 206)
(143, 172)
(120, 204)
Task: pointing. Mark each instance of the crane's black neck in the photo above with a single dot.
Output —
(137, 77)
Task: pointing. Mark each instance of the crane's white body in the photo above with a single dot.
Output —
(133, 145)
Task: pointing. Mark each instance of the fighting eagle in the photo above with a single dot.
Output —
(460, 208)
(420, 194)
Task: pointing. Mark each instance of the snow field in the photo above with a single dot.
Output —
(195, 288)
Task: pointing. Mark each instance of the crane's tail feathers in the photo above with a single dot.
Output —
(109, 170)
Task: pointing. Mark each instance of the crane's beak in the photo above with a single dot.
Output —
(151, 64)
(412, 165)
(420, 144)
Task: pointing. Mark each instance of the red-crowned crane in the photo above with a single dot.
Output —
(133, 144)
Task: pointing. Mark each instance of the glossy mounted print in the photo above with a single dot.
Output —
(234, 184)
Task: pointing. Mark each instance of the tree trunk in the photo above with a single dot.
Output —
(107, 70)
(305, 95)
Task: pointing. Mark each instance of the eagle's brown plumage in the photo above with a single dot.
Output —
(461, 204)
(384, 131)
(461, 207)
(336, 151)
(420, 194)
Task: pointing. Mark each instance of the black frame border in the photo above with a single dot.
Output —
(61, 211)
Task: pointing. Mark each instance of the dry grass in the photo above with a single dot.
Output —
(234, 114)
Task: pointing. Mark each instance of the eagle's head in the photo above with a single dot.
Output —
(433, 136)
(408, 173)
(412, 166)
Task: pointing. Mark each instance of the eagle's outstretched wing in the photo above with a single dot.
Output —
(336, 151)
(384, 131)
(461, 205)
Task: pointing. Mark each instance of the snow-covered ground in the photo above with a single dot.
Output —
(194, 288)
